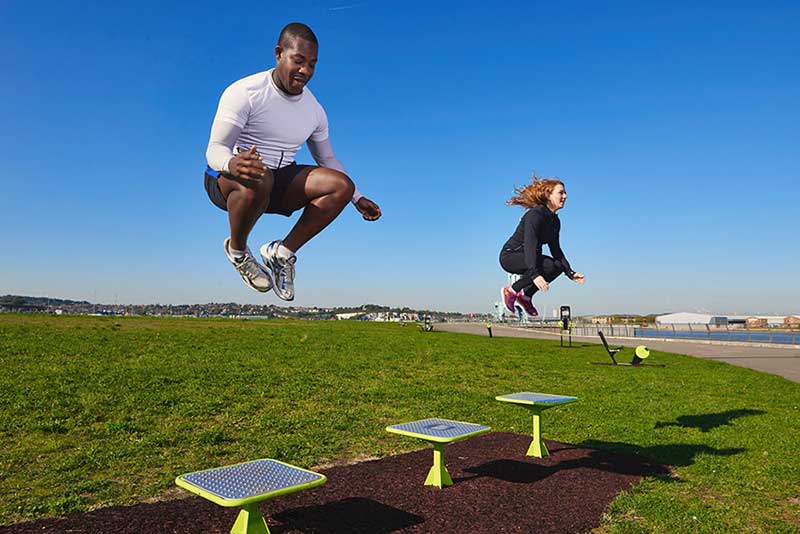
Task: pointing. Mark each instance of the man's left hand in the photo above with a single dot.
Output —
(368, 209)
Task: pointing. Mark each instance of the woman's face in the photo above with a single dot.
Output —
(557, 198)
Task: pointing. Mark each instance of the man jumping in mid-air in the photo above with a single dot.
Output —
(261, 122)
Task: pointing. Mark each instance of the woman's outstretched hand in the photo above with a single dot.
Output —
(578, 278)
(541, 283)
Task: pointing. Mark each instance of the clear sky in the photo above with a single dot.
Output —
(675, 127)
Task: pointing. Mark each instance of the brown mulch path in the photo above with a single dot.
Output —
(497, 490)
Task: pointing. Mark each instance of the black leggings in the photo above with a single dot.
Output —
(513, 261)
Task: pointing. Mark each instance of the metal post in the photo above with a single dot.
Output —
(566, 319)
(250, 521)
(438, 475)
(537, 449)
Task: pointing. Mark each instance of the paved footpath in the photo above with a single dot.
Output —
(782, 361)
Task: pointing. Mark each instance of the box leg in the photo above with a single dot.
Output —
(537, 448)
(250, 521)
(438, 475)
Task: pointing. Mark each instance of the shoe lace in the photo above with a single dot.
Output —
(287, 268)
(249, 267)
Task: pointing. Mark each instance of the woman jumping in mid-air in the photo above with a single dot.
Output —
(522, 253)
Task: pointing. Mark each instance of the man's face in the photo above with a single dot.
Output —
(295, 62)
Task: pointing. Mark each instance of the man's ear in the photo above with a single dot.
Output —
(278, 52)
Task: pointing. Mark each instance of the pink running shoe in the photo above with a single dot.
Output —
(527, 304)
(509, 297)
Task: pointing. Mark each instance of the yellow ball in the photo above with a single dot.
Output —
(642, 352)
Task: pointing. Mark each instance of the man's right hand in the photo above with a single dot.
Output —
(247, 166)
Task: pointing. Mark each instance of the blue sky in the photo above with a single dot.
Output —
(674, 126)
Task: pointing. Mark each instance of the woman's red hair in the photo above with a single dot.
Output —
(534, 194)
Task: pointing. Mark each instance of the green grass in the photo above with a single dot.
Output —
(98, 411)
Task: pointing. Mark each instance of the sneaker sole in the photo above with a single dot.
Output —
(528, 313)
(255, 288)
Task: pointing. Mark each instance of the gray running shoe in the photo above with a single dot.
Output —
(282, 270)
(253, 274)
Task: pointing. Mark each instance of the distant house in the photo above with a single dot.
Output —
(791, 321)
(756, 322)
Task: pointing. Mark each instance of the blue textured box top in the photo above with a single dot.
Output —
(249, 479)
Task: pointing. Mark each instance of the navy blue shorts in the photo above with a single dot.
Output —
(283, 177)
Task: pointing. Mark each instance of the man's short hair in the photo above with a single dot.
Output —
(294, 30)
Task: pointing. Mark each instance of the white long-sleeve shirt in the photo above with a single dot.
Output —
(253, 111)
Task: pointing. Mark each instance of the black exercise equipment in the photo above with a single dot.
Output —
(640, 353)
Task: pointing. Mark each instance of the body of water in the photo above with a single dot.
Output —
(784, 338)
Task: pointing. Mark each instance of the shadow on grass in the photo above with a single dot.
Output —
(706, 422)
(520, 472)
(346, 516)
(676, 454)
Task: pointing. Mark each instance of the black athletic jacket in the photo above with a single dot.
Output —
(539, 226)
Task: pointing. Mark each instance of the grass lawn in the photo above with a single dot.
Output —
(96, 411)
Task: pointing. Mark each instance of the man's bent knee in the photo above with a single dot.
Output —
(342, 185)
(348, 188)
(330, 184)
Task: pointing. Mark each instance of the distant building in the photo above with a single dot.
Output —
(791, 321)
(774, 321)
(759, 321)
(686, 318)
(351, 315)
